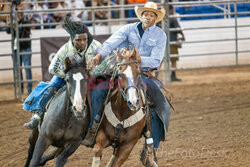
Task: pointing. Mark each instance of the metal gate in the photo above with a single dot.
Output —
(231, 15)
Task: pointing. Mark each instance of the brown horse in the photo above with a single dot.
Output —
(123, 124)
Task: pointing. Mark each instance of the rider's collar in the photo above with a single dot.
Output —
(150, 28)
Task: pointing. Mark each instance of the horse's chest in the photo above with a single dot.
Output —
(75, 128)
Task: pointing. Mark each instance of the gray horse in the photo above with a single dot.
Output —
(65, 122)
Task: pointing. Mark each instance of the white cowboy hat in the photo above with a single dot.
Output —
(152, 7)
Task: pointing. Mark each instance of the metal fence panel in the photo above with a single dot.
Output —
(235, 35)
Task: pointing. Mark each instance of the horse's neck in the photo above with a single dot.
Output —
(63, 100)
(119, 105)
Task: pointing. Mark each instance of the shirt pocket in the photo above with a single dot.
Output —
(150, 44)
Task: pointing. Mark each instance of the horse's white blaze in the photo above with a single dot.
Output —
(77, 96)
(131, 91)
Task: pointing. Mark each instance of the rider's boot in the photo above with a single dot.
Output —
(174, 78)
(34, 121)
(89, 139)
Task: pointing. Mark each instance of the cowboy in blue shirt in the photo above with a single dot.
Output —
(150, 41)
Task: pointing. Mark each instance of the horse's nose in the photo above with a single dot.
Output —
(133, 106)
(137, 102)
(84, 107)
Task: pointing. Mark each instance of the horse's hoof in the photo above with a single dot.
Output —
(151, 164)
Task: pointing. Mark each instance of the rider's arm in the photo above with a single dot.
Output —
(115, 40)
(57, 65)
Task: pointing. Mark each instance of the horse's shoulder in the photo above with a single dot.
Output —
(56, 97)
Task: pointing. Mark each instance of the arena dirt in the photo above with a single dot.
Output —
(209, 127)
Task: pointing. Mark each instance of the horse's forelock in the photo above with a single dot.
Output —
(75, 65)
(125, 54)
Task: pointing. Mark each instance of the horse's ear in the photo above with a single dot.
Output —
(67, 62)
(134, 53)
(119, 56)
(138, 58)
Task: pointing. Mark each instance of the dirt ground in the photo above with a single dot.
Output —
(209, 127)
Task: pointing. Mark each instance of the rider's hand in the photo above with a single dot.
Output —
(95, 60)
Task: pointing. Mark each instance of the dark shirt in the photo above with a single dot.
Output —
(173, 23)
(141, 31)
(24, 32)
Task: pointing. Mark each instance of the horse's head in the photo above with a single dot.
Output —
(129, 72)
(76, 81)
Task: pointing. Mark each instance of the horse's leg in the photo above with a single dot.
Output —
(41, 145)
(111, 161)
(32, 141)
(151, 157)
(69, 149)
(122, 153)
(51, 154)
(101, 142)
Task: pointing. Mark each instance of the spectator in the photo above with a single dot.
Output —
(4, 18)
(2, 25)
(173, 23)
(79, 15)
(39, 17)
(25, 46)
(101, 14)
(88, 3)
(131, 13)
(57, 16)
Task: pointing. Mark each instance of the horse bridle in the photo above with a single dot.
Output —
(66, 71)
(123, 91)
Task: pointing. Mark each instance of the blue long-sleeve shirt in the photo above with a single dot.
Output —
(151, 45)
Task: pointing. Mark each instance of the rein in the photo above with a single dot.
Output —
(114, 74)
(126, 63)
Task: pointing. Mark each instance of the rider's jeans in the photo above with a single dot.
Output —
(55, 84)
(26, 60)
(160, 104)
(98, 95)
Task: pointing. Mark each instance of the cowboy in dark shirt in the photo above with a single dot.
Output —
(25, 46)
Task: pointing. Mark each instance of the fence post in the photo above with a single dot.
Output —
(93, 20)
(109, 16)
(236, 33)
(17, 54)
(122, 11)
(166, 73)
(13, 50)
